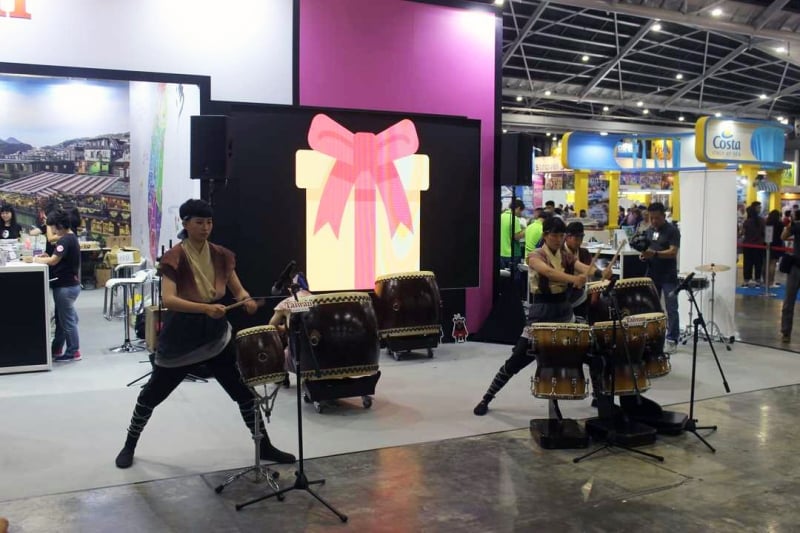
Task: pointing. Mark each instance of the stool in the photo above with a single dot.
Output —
(129, 286)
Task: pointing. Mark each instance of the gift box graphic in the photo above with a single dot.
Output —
(362, 203)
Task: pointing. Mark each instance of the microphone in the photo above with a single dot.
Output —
(284, 279)
(683, 285)
(610, 286)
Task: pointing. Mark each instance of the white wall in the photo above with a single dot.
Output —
(708, 235)
(244, 45)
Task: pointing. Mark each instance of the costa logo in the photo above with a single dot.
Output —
(20, 10)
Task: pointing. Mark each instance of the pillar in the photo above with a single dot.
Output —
(775, 176)
(613, 199)
(581, 190)
(750, 171)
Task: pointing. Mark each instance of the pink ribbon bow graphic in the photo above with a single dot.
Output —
(364, 162)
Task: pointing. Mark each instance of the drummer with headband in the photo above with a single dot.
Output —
(195, 274)
(572, 244)
(555, 269)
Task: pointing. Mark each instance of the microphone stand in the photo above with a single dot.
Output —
(301, 482)
(691, 424)
(613, 424)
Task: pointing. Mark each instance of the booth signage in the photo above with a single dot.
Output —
(20, 11)
(738, 141)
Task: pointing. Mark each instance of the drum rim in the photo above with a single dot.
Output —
(255, 329)
(609, 324)
(406, 275)
(645, 316)
(559, 325)
(634, 281)
(337, 297)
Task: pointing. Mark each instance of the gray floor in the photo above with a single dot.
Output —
(495, 482)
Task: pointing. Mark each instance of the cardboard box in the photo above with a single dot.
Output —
(118, 241)
(123, 255)
(101, 275)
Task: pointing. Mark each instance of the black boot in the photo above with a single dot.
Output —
(271, 453)
(125, 457)
(483, 406)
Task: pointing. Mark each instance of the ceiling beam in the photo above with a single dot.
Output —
(545, 123)
(670, 15)
(523, 33)
(707, 74)
(609, 66)
(783, 92)
(768, 12)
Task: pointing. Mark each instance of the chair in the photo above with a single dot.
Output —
(129, 287)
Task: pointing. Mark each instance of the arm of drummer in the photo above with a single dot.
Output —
(543, 269)
(238, 291)
(173, 302)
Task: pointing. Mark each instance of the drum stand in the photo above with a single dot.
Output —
(691, 424)
(613, 425)
(301, 482)
(263, 403)
(716, 333)
(556, 432)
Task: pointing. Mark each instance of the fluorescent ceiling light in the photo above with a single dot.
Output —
(639, 103)
(499, 2)
(716, 12)
(657, 27)
(646, 111)
(781, 49)
(519, 98)
(548, 92)
(717, 114)
(585, 58)
(763, 96)
(603, 133)
(681, 119)
(678, 76)
(605, 108)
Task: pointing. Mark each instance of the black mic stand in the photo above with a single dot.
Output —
(691, 424)
(613, 424)
(301, 482)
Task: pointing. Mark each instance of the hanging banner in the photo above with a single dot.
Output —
(722, 140)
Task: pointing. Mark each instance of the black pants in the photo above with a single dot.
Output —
(753, 263)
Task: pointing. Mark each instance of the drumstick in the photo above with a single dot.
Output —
(242, 302)
(616, 255)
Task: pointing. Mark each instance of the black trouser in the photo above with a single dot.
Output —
(753, 261)
(164, 380)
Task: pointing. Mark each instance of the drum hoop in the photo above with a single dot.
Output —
(255, 330)
(596, 286)
(340, 372)
(621, 324)
(634, 282)
(560, 325)
(338, 297)
(648, 316)
(411, 331)
(275, 377)
(406, 275)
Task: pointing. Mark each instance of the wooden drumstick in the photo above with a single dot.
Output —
(242, 302)
(616, 255)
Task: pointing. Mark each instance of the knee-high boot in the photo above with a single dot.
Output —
(141, 415)
(514, 364)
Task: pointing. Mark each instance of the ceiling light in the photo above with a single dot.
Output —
(779, 119)
(603, 133)
(548, 92)
(785, 121)
(639, 103)
(678, 76)
(763, 96)
(519, 98)
(646, 111)
(656, 27)
(498, 2)
(781, 49)
(681, 119)
(716, 12)
(505, 130)
(717, 114)
(605, 108)
(585, 58)
(547, 133)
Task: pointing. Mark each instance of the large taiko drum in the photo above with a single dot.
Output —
(342, 334)
(408, 304)
(561, 350)
(259, 354)
(656, 362)
(628, 377)
(635, 296)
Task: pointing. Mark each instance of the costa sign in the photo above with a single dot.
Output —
(20, 10)
(739, 141)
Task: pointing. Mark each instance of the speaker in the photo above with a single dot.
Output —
(211, 147)
(516, 163)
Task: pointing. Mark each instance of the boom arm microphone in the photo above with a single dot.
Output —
(285, 278)
(683, 285)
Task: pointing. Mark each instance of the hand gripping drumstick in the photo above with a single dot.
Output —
(242, 302)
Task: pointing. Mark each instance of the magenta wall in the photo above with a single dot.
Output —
(399, 55)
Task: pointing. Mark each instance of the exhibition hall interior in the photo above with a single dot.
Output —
(399, 265)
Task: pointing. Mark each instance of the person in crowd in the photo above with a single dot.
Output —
(508, 235)
(195, 274)
(555, 271)
(752, 235)
(42, 228)
(787, 217)
(550, 207)
(633, 218)
(558, 212)
(774, 221)
(65, 280)
(282, 314)
(9, 227)
(791, 232)
(582, 213)
(662, 267)
(533, 233)
(621, 216)
(572, 244)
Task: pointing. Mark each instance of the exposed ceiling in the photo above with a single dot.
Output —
(586, 64)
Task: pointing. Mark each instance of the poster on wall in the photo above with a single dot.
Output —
(598, 198)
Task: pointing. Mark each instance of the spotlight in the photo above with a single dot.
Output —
(762, 96)
(681, 119)
(585, 58)
(657, 26)
(717, 114)
(716, 12)
(548, 92)
(646, 111)
(639, 103)
(519, 98)
(605, 108)
(678, 76)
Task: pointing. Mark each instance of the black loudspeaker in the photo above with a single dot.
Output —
(516, 163)
(211, 147)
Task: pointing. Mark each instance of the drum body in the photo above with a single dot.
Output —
(342, 336)
(656, 362)
(634, 297)
(408, 304)
(259, 354)
(561, 350)
(625, 374)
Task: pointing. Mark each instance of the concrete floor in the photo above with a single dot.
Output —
(496, 482)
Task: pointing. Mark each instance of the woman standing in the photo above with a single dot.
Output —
(65, 276)
(9, 228)
(774, 221)
(752, 236)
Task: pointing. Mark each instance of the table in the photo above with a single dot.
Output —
(25, 328)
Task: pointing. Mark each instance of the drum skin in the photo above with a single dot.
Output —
(561, 350)
(624, 374)
(343, 333)
(259, 354)
(408, 304)
(635, 296)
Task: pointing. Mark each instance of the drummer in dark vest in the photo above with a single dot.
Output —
(554, 271)
(572, 244)
(195, 274)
